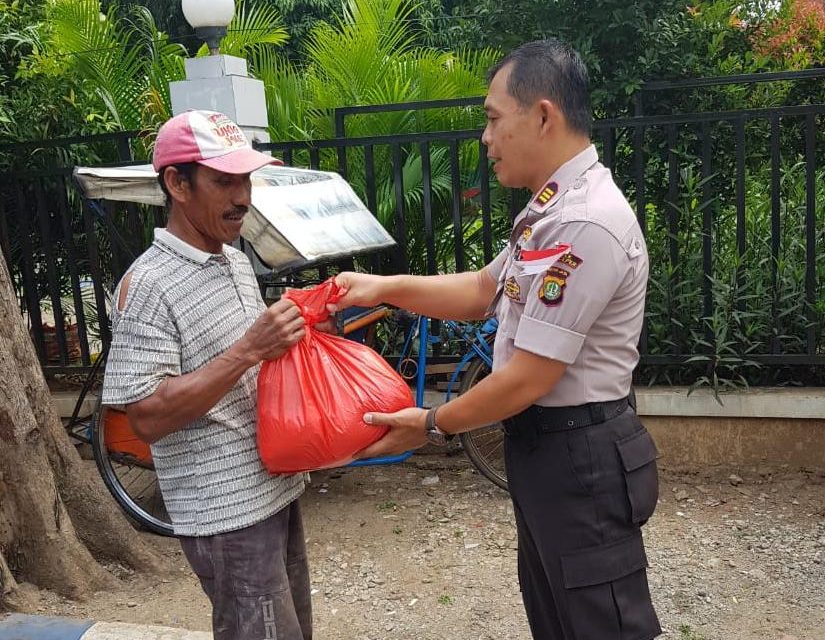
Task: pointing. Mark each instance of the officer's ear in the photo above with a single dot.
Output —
(549, 115)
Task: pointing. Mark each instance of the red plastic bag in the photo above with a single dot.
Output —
(311, 402)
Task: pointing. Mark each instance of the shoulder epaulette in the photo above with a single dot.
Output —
(544, 197)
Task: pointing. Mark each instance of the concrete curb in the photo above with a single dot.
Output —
(22, 627)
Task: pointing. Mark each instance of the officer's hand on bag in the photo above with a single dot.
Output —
(361, 289)
(274, 332)
(407, 431)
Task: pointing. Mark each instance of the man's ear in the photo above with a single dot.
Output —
(549, 113)
(177, 184)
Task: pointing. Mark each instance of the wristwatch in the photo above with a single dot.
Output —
(435, 435)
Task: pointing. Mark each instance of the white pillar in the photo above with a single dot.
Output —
(222, 83)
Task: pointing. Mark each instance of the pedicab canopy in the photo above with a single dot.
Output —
(298, 216)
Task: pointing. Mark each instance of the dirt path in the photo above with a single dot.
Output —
(397, 554)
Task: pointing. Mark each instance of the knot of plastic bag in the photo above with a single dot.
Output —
(313, 302)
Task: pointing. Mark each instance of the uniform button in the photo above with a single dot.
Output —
(578, 184)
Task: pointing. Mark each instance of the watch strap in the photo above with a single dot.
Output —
(433, 427)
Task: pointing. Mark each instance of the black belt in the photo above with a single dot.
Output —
(538, 419)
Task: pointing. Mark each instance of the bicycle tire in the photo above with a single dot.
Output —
(484, 446)
(133, 484)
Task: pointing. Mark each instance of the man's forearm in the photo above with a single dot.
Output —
(457, 296)
(502, 394)
(182, 399)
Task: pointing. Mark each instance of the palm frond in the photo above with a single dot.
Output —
(290, 115)
(110, 57)
(252, 28)
(166, 65)
(361, 51)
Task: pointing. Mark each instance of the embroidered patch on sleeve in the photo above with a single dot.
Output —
(526, 234)
(511, 289)
(571, 260)
(552, 287)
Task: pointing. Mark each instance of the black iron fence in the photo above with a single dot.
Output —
(805, 80)
(732, 204)
(57, 250)
(736, 199)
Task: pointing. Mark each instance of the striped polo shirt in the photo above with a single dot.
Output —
(184, 308)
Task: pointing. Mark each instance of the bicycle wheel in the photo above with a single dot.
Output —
(126, 467)
(484, 446)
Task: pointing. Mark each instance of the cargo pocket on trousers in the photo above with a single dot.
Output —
(638, 454)
(607, 592)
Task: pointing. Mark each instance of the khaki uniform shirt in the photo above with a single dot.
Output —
(585, 309)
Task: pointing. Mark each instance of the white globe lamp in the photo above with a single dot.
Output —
(209, 19)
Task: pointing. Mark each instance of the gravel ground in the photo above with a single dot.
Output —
(427, 550)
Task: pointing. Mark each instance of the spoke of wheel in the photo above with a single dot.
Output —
(487, 436)
(140, 485)
(494, 449)
(135, 480)
(125, 473)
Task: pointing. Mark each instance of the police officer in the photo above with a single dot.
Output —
(569, 293)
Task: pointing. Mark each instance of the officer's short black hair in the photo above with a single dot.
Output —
(186, 169)
(550, 69)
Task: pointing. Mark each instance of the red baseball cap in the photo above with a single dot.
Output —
(208, 138)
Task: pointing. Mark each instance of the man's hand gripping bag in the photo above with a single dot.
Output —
(311, 402)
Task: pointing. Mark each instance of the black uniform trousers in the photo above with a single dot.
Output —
(583, 481)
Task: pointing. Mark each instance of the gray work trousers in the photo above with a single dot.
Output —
(257, 579)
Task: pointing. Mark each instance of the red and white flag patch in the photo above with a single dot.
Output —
(535, 262)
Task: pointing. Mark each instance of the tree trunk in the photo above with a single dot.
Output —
(57, 521)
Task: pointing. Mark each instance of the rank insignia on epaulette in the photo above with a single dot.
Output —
(571, 260)
(552, 287)
(511, 289)
(546, 194)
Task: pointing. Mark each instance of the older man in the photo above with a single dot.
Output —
(189, 332)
